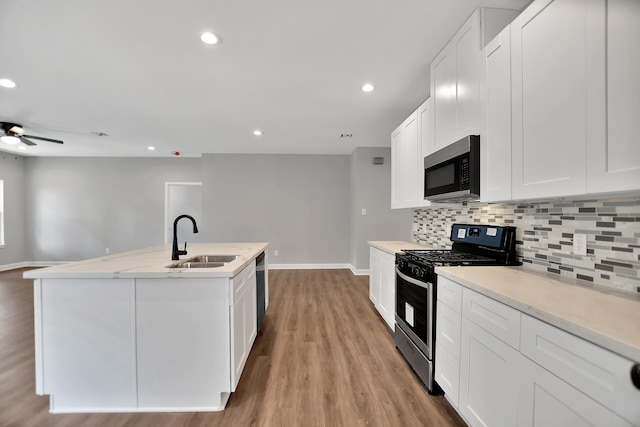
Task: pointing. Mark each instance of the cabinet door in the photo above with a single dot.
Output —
(468, 71)
(443, 94)
(409, 160)
(547, 401)
(425, 147)
(613, 152)
(496, 139)
(551, 47)
(252, 306)
(397, 173)
(239, 314)
(489, 371)
(387, 302)
(447, 366)
(374, 275)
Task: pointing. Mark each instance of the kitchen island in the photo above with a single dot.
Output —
(133, 333)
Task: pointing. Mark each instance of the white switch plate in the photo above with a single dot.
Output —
(364, 211)
(275, 253)
(579, 244)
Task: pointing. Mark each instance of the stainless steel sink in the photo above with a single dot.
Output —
(213, 258)
(204, 261)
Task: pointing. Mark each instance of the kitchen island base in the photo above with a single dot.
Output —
(143, 344)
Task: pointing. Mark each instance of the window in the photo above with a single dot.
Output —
(1, 213)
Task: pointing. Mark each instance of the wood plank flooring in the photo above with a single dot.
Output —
(323, 358)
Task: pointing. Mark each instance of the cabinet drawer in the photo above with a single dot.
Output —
(448, 374)
(599, 373)
(448, 324)
(494, 317)
(449, 293)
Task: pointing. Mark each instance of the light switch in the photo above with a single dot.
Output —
(364, 212)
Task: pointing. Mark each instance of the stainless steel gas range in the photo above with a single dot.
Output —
(416, 287)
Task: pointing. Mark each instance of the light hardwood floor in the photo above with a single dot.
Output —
(323, 358)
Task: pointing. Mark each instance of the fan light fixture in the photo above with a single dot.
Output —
(11, 140)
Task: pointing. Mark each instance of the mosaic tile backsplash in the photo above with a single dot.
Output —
(545, 236)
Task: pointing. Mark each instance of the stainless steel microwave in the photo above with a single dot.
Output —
(452, 174)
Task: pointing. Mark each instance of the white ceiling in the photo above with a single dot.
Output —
(137, 71)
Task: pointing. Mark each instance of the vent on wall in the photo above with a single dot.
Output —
(378, 160)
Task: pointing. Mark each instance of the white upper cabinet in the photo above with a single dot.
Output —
(457, 74)
(455, 83)
(613, 155)
(397, 173)
(407, 144)
(425, 147)
(404, 175)
(554, 44)
(495, 145)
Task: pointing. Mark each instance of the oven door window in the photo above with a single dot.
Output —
(412, 306)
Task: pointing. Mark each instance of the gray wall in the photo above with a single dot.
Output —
(12, 172)
(297, 203)
(371, 190)
(77, 207)
(306, 206)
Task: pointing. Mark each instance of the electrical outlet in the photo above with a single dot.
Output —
(275, 253)
(364, 212)
(107, 251)
(579, 244)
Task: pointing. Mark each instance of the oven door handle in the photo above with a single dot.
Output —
(413, 281)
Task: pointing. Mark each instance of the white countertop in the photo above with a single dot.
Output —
(393, 247)
(608, 319)
(152, 263)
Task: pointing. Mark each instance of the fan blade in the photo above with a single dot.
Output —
(26, 141)
(57, 141)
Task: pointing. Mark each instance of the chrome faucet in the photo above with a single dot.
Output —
(175, 252)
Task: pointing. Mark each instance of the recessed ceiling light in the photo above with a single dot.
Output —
(11, 140)
(367, 87)
(7, 83)
(210, 38)
(150, 148)
(257, 132)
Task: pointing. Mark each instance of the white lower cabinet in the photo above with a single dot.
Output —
(382, 284)
(515, 370)
(548, 401)
(488, 378)
(489, 366)
(243, 320)
(448, 327)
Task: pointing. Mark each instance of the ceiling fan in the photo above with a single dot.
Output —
(14, 133)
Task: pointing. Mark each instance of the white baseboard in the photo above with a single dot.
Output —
(354, 270)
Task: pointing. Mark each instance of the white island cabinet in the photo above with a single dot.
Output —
(127, 334)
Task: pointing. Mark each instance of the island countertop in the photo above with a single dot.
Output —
(153, 262)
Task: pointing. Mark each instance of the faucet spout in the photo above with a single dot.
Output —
(175, 252)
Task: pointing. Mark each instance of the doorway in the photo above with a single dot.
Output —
(182, 198)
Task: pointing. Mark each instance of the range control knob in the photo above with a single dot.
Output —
(635, 375)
